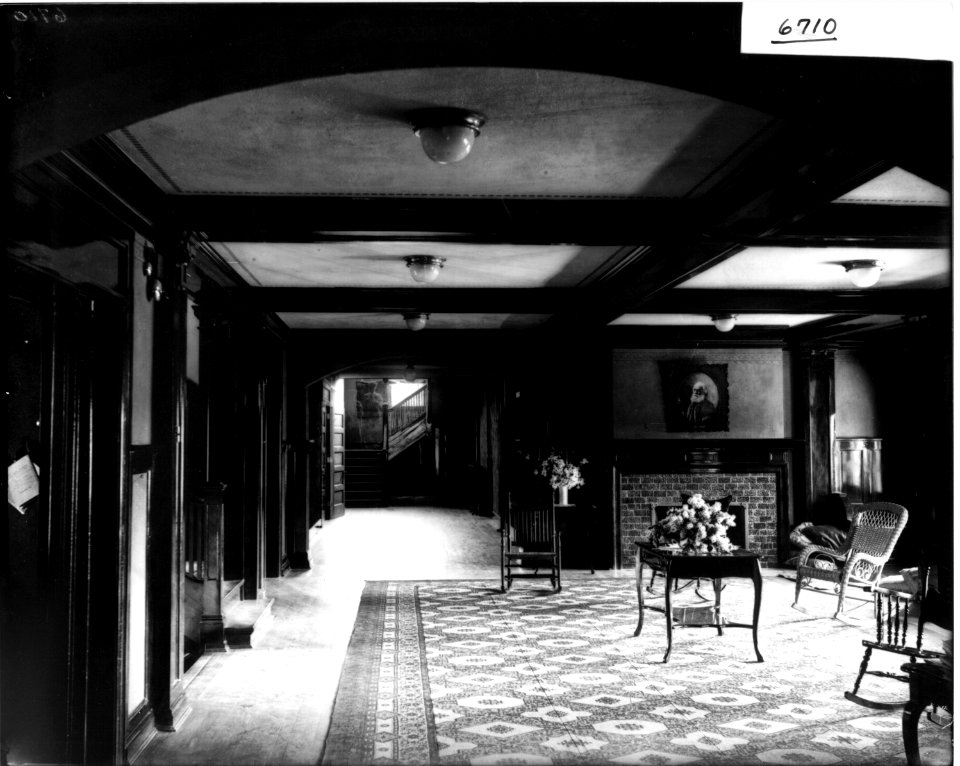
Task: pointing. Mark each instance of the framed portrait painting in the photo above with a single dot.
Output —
(695, 396)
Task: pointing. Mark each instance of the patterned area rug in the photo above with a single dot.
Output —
(457, 672)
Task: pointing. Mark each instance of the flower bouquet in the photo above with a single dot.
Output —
(697, 527)
(561, 473)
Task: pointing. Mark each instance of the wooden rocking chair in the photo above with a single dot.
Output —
(869, 545)
(530, 540)
(892, 612)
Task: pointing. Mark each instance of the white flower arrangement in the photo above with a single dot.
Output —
(561, 473)
(697, 526)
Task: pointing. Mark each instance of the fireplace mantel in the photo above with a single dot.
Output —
(756, 472)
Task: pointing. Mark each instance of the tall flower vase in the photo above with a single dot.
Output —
(563, 499)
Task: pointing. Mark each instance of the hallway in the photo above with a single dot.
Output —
(271, 705)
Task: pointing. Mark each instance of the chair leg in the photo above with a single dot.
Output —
(843, 592)
(863, 670)
(796, 595)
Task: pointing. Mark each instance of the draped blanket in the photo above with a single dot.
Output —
(456, 672)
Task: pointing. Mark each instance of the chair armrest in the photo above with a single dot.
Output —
(818, 551)
(897, 595)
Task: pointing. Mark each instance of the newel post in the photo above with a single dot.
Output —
(211, 621)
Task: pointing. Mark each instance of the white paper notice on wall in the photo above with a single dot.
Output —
(23, 483)
(905, 29)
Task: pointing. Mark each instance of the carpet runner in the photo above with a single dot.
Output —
(451, 672)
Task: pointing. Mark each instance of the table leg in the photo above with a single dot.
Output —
(716, 605)
(639, 568)
(669, 612)
(757, 595)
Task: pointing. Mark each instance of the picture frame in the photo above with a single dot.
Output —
(695, 396)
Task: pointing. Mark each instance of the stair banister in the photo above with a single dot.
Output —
(408, 411)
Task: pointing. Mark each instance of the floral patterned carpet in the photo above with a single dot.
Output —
(456, 672)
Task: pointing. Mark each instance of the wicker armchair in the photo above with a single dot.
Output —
(870, 541)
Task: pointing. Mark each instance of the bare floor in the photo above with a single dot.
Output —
(271, 704)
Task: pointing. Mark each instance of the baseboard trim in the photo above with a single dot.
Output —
(140, 734)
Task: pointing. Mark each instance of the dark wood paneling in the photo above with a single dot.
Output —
(63, 628)
(814, 410)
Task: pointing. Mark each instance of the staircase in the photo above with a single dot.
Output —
(407, 438)
(366, 469)
(407, 423)
(365, 478)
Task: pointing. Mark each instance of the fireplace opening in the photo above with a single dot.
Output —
(755, 504)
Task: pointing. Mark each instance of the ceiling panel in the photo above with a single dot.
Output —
(703, 320)
(381, 264)
(548, 134)
(897, 187)
(772, 268)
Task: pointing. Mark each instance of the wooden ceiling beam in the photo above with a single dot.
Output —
(874, 226)
(795, 172)
(457, 300)
(554, 300)
(244, 218)
(847, 302)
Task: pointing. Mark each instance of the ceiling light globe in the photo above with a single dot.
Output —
(446, 133)
(415, 322)
(425, 268)
(445, 144)
(410, 374)
(724, 322)
(864, 273)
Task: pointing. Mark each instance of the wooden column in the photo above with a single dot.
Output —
(253, 415)
(165, 549)
(297, 512)
(814, 392)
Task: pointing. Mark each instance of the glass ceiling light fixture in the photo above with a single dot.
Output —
(863, 273)
(446, 133)
(424, 268)
(410, 374)
(416, 321)
(724, 322)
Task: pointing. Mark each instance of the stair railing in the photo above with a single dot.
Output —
(408, 411)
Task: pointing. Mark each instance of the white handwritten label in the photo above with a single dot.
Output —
(22, 483)
(914, 29)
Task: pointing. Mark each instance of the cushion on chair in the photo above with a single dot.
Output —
(826, 536)
(797, 538)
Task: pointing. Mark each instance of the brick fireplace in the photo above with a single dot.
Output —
(757, 481)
